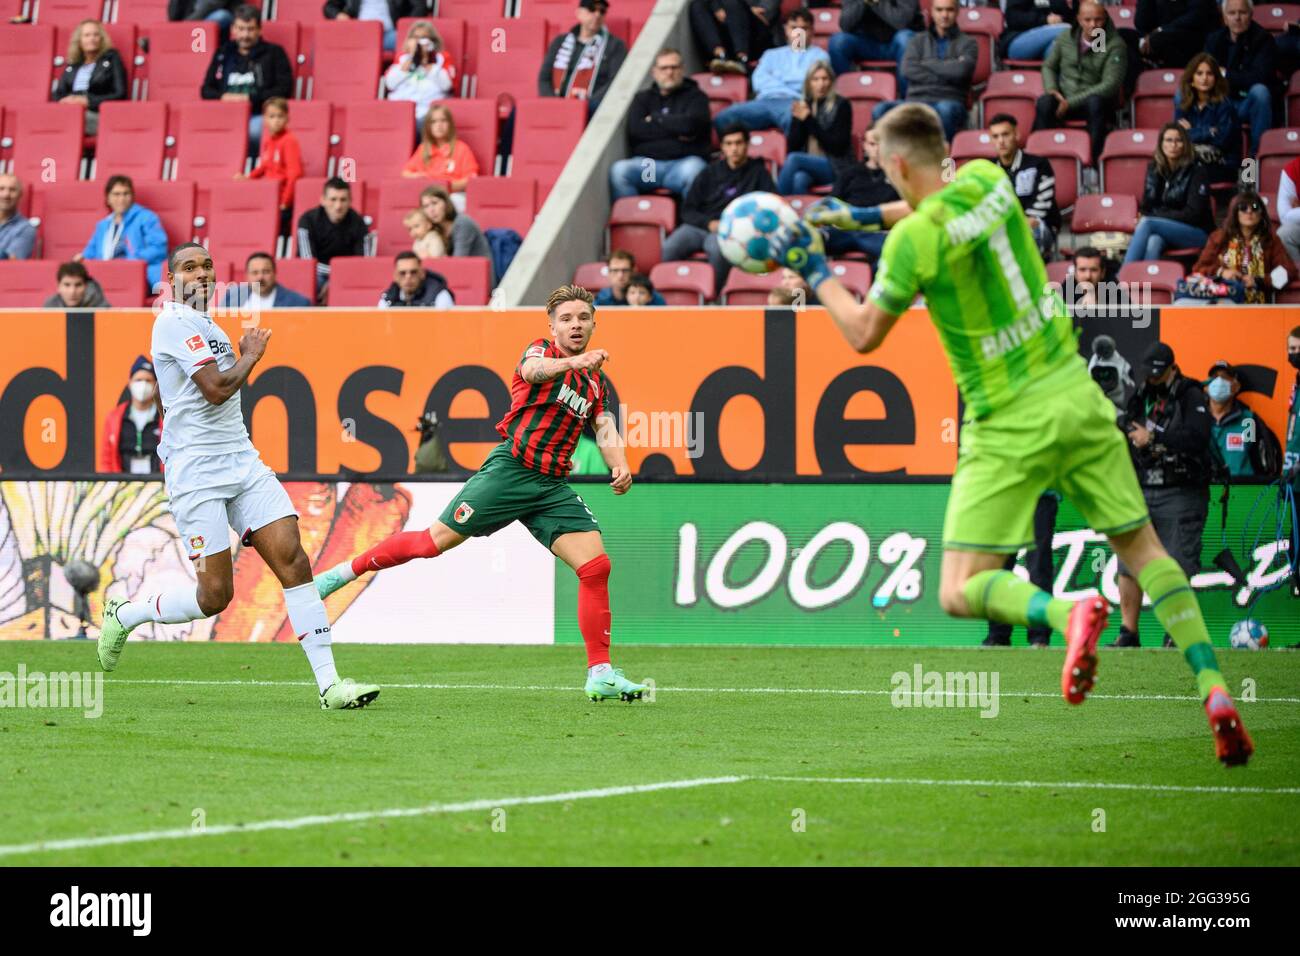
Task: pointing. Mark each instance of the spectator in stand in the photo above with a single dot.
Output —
(1242, 443)
(1288, 50)
(875, 30)
(93, 72)
(1246, 250)
(641, 291)
(248, 69)
(331, 229)
(667, 132)
(218, 11)
(129, 231)
(426, 242)
(415, 288)
(1288, 209)
(281, 156)
(731, 33)
(1083, 74)
(581, 63)
(1087, 278)
(460, 234)
(733, 175)
(1172, 31)
(133, 429)
(863, 185)
(622, 269)
(441, 155)
(1033, 179)
(1201, 107)
(801, 292)
(1247, 53)
(387, 12)
(938, 66)
(76, 290)
(424, 72)
(1032, 26)
(260, 290)
(1175, 199)
(821, 135)
(778, 80)
(17, 234)
(780, 296)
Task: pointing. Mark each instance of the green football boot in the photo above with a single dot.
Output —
(329, 582)
(112, 635)
(613, 684)
(347, 694)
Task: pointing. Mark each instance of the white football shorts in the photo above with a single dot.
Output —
(211, 494)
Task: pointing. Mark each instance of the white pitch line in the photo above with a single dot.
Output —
(296, 823)
(1035, 785)
(852, 692)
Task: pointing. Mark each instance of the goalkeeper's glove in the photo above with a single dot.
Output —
(837, 214)
(800, 248)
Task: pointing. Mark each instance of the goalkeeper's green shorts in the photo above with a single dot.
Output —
(1059, 433)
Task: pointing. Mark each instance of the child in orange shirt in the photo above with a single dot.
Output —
(440, 154)
(281, 156)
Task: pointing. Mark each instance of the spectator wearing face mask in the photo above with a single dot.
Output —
(133, 429)
(1243, 445)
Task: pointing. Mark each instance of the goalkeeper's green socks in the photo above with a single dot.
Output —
(1001, 596)
(1175, 606)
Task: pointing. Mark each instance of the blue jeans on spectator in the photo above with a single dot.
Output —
(1154, 235)
(254, 135)
(848, 49)
(1033, 43)
(390, 39)
(763, 113)
(839, 241)
(803, 171)
(641, 174)
(952, 113)
(1256, 108)
(223, 19)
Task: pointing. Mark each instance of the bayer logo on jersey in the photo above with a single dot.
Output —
(748, 227)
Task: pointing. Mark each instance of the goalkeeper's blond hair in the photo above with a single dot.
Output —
(569, 293)
(913, 131)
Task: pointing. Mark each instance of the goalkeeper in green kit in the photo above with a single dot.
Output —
(1035, 418)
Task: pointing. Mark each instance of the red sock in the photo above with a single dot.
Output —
(394, 550)
(593, 609)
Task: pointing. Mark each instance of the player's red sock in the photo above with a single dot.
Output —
(593, 609)
(395, 550)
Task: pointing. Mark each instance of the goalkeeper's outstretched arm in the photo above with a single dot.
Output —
(837, 214)
(863, 326)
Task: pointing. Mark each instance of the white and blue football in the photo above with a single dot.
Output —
(748, 227)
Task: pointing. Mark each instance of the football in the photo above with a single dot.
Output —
(1248, 635)
(748, 227)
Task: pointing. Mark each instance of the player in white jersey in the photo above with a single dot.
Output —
(217, 481)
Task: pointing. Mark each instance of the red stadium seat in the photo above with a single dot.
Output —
(345, 60)
(211, 141)
(1125, 157)
(1153, 100)
(546, 130)
(1060, 271)
(769, 146)
(855, 276)
(865, 89)
(1104, 213)
(470, 277)
(66, 215)
(1068, 152)
(174, 203)
(389, 205)
(476, 124)
(501, 202)
(742, 288)
(310, 122)
(801, 203)
(592, 276)
(1277, 147)
(378, 139)
(683, 283)
(296, 274)
(1270, 203)
(300, 11)
(1125, 16)
(722, 91)
(1293, 101)
(1015, 83)
(1014, 92)
(26, 53)
(26, 283)
(508, 56)
(985, 25)
(124, 282)
(359, 280)
(47, 142)
(1275, 16)
(452, 31)
(972, 144)
(640, 224)
(177, 60)
(473, 9)
(140, 12)
(244, 218)
(66, 13)
(1161, 276)
(131, 140)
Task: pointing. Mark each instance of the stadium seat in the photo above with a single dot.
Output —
(345, 60)
(358, 280)
(1153, 100)
(592, 276)
(855, 276)
(722, 91)
(1104, 213)
(26, 283)
(174, 202)
(985, 25)
(131, 140)
(683, 283)
(800, 204)
(452, 31)
(310, 121)
(46, 142)
(1293, 101)
(501, 202)
(507, 57)
(1290, 295)
(473, 9)
(26, 53)
(378, 139)
(1068, 151)
(66, 214)
(1014, 92)
(1277, 147)
(389, 204)
(124, 282)
(1060, 271)
(1124, 16)
(863, 90)
(296, 274)
(1275, 16)
(972, 144)
(476, 124)
(1161, 276)
(470, 277)
(172, 70)
(244, 218)
(546, 130)
(65, 13)
(640, 224)
(211, 141)
(1270, 203)
(769, 146)
(1124, 159)
(140, 12)
(743, 288)
(826, 22)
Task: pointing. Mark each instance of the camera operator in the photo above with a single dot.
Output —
(1168, 426)
(1112, 373)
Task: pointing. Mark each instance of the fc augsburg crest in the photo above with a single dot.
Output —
(463, 512)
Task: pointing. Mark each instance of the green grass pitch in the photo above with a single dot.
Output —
(231, 737)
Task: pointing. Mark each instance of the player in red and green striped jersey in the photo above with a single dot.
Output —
(557, 389)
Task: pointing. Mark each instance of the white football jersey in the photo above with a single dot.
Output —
(184, 340)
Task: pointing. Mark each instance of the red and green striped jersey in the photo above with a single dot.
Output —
(545, 420)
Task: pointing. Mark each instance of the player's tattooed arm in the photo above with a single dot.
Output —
(534, 371)
(217, 386)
